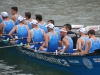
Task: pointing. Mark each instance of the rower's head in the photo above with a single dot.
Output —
(51, 21)
(68, 27)
(27, 15)
(50, 26)
(21, 19)
(14, 10)
(38, 17)
(63, 32)
(91, 32)
(81, 31)
(4, 15)
(34, 23)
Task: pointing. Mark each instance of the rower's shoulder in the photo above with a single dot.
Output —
(13, 17)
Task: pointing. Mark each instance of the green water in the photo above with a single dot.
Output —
(12, 64)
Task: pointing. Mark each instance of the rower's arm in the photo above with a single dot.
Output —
(1, 28)
(44, 34)
(60, 43)
(66, 43)
(46, 40)
(13, 18)
(12, 31)
(79, 45)
(29, 36)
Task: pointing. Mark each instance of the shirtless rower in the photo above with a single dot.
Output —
(66, 41)
(21, 30)
(28, 19)
(41, 24)
(81, 43)
(52, 40)
(15, 15)
(91, 44)
(36, 35)
(7, 24)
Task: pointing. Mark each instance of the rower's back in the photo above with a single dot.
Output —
(37, 36)
(70, 48)
(42, 26)
(94, 41)
(95, 44)
(29, 24)
(7, 24)
(53, 42)
(22, 31)
(84, 39)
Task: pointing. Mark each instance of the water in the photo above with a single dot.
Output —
(80, 12)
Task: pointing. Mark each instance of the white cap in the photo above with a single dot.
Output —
(20, 18)
(50, 26)
(83, 30)
(63, 30)
(34, 22)
(4, 14)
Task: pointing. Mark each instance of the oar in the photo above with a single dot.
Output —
(12, 46)
(19, 45)
(36, 43)
(7, 34)
(15, 39)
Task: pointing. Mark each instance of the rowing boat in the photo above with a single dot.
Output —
(88, 64)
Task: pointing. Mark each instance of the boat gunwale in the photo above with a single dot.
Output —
(53, 54)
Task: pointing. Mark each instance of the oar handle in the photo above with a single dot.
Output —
(7, 34)
(36, 43)
(14, 39)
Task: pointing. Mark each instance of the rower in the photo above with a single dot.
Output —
(6, 25)
(15, 15)
(81, 42)
(72, 34)
(55, 28)
(36, 35)
(52, 40)
(28, 19)
(92, 44)
(21, 30)
(66, 41)
(41, 24)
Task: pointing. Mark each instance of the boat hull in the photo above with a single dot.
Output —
(79, 65)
